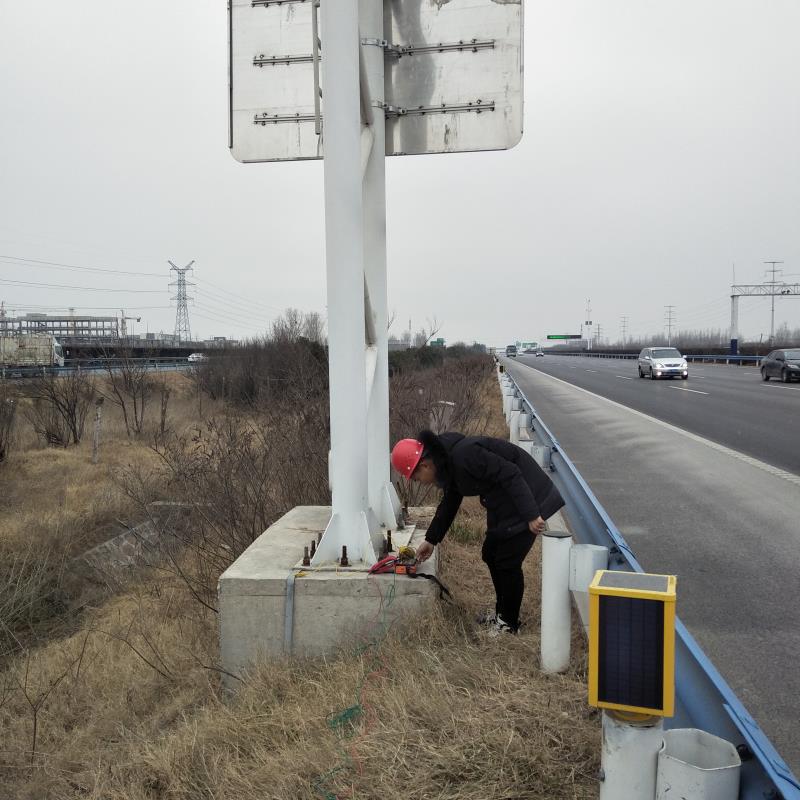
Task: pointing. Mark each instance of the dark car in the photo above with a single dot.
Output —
(783, 364)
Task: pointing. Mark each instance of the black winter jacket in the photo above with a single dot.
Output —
(513, 488)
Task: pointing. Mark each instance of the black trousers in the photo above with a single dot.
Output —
(504, 557)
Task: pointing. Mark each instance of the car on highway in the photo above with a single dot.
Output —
(511, 350)
(662, 362)
(783, 364)
(194, 358)
(539, 354)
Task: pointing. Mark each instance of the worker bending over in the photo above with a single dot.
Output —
(515, 491)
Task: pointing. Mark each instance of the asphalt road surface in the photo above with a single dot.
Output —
(705, 486)
(727, 404)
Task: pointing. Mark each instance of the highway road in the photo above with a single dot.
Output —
(703, 484)
(730, 405)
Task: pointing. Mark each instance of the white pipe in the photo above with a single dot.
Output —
(629, 757)
(556, 628)
(584, 561)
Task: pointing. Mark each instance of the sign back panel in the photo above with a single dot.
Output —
(453, 77)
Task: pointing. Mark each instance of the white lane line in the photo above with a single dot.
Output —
(684, 389)
(624, 377)
(783, 386)
(592, 370)
(789, 477)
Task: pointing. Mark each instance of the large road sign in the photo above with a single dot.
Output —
(564, 336)
(453, 77)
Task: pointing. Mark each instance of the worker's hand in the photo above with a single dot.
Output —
(536, 525)
(424, 552)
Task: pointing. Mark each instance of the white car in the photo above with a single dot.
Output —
(539, 354)
(662, 362)
(195, 357)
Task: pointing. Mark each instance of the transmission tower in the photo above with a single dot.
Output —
(669, 321)
(183, 332)
(773, 283)
(624, 327)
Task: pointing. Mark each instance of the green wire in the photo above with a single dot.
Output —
(344, 722)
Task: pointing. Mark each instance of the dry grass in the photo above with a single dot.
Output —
(449, 713)
(129, 707)
(58, 493)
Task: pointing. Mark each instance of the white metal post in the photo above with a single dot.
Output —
(629, 757)
(383, 498)
(344, 253)
(734, 317)
(556, 627)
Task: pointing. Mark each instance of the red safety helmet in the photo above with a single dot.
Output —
(406, 454)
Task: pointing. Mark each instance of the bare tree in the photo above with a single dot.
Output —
(59, 405)
(8, 410)
(314, 328)
(129, 385)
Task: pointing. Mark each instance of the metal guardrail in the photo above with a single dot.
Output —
(704, 699)
(161, 364)
(705, 358)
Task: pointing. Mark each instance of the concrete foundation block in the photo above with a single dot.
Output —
(327, 608)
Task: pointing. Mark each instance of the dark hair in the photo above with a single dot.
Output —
(434, 450)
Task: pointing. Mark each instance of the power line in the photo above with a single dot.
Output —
(59, 265)
(33, 284)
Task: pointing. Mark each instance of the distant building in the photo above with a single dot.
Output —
(61, 326)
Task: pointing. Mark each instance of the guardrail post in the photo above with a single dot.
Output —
(513, 426)
(629, 756)
(556, 630)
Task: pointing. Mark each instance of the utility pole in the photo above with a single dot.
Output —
(774, 270)
(588, 324)
(669, 311)
(183, 332)
(624, 328)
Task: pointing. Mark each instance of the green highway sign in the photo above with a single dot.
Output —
(564, 336)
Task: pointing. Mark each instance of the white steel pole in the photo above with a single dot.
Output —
(629, 757)
(734, 317)
(344, 255)
(383, 498)
(556, 630)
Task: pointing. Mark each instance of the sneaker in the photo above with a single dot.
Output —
(487, 617)
(500, 627)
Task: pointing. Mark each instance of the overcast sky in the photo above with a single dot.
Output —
(660, 149)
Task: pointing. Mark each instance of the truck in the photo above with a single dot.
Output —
(511, 350)
(30, 350)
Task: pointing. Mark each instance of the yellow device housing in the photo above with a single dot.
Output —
(632, 642)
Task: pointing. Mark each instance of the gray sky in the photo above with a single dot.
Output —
(660, 148)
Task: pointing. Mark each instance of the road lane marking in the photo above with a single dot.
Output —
(783, 386)
(592, 370)
(624, 377)
(789, 477)
(684, 389)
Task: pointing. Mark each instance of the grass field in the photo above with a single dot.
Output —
(120, 696)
